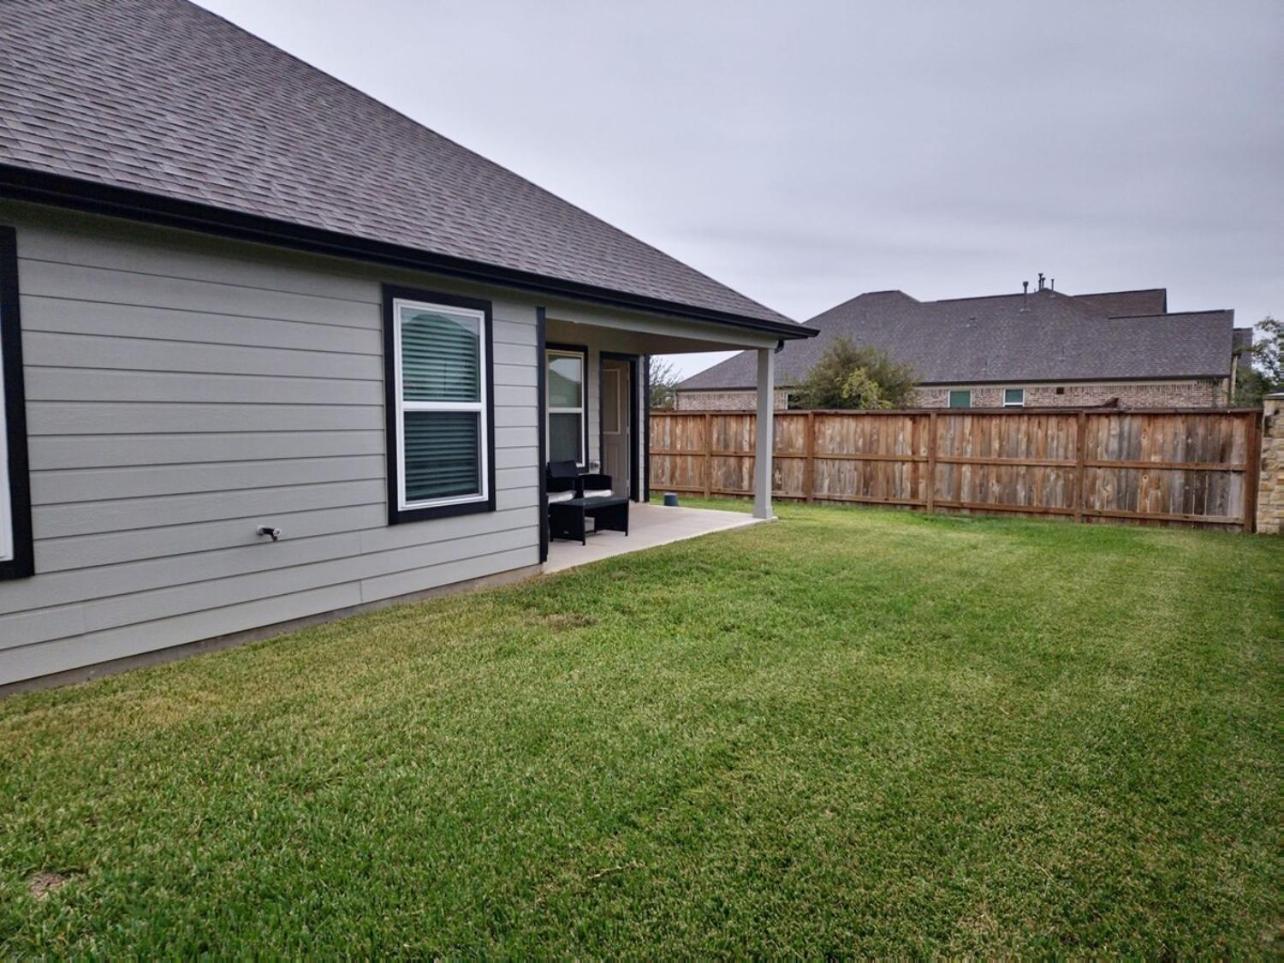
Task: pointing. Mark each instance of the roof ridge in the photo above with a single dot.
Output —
(987, 297)
(1168, 314)
(1097, 294)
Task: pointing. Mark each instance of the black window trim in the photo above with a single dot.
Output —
(396, 514)
(22, 565)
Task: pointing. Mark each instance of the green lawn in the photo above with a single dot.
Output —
(850, 732)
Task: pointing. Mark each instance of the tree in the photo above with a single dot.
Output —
(1261, 367)
(847, 376)
(664, 384)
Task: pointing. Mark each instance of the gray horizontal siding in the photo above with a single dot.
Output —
(191, 328)
(58, 654)
(54, 452)
(225, 579)
(55, 351)
(183, 391)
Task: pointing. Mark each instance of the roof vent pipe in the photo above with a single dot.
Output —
(1025, 287)
(1052, 285)
(1040, 280)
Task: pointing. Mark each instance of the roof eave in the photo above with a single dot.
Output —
(42, 187)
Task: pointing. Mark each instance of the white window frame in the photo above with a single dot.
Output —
(478, 406)
(582, 410)
(1013, 404)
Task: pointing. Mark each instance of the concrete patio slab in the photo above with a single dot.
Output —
(649, 526)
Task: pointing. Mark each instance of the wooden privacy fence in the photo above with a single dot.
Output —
(1168, 466)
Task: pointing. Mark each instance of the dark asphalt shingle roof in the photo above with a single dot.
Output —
(1047, 336)
(1127, 304)
(164, 97)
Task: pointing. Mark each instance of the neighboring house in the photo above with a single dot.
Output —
(1042, 348)
(239, 295)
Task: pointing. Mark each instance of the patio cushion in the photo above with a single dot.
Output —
(560, 496)
(597, 493)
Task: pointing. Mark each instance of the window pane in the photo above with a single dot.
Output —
(440, 356)
(565, 435)
(961, 399)
(565, 381)
(1013, 396)
(443, 454)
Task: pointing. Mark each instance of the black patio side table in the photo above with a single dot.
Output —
(568, 519)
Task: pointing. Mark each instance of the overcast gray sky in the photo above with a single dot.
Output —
(806, 151)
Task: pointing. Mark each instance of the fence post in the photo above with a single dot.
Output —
(708, 454)
(1080, 449)
(809, 465)
(1252, 471)
(931, 462)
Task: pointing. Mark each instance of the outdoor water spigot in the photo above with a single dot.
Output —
(274, 533)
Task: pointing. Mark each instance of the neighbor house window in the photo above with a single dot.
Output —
(1013, 397)
(567, 419)
(15, 498)
(961, 398)
(440, 433)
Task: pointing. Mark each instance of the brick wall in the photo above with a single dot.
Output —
(1173, 394)
(1270, 492)
(728, 400)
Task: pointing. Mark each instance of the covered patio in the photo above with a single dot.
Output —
(649, 526)
(594, 412)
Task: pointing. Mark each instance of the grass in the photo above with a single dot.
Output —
(850, 732)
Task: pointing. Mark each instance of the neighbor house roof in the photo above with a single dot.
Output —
(165, 98)
(1043, 336)
(1125, 304)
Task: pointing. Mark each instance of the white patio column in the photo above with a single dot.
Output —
(766, 433)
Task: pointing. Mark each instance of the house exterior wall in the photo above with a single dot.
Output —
(1131, 394)
(737, 400)
(182, 391)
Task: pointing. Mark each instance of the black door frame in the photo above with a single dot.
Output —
(541, 327)
(635, 383)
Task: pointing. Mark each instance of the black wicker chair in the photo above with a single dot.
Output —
(575, 496)
(565, 476)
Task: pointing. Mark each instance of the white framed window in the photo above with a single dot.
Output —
(565, 400)
(440, 426)
(1013, 397)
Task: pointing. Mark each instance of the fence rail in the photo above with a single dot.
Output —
(1164, 466)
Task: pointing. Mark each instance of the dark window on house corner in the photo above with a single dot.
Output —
(440, 405)
(16, 557)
